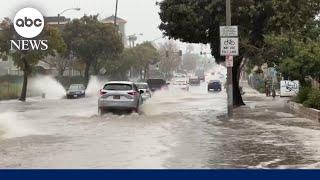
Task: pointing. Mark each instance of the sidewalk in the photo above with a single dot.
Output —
(260, 107)
(274, 137)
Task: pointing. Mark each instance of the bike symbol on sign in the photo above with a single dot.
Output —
(229, 42)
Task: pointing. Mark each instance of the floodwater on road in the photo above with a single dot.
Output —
(176, 129)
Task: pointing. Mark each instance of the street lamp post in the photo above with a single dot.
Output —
(75, 9)
(59, 14)
(229, 69)
(132, 38)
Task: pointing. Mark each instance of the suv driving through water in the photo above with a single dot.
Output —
(119, 95)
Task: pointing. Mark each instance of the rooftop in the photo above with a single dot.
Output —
(111, 20)
(55, 19)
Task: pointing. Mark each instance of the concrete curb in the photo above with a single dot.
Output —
(309, 113)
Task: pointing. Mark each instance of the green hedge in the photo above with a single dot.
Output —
(313, 99)
(302, 96)
(309, 97)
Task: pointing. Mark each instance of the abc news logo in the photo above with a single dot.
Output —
(28, 23)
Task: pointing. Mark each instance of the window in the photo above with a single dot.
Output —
(118, 87)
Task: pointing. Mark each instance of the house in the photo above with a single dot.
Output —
(121, 24)
(7, 67)
(59, 22)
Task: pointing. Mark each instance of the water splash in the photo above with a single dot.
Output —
(47, 85)
(158, 104)
(12, 127)
(94, 85)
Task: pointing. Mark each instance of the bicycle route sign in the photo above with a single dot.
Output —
(229, 46)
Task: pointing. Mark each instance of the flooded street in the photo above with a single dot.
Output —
(176, 129)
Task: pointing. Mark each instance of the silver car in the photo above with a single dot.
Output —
(119, 95)
(144, 88)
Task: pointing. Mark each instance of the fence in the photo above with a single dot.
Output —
(9, 90)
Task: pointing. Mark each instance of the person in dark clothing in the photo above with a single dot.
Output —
(273, 93)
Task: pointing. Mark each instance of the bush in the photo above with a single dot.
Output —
(313, 99)
(302, 96)
(261, 88)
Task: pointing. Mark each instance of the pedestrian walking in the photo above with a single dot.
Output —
(267, 89)
(273, 93)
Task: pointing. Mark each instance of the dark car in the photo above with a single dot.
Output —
(194, 81)
(157, 84)
(76, 91)
(214, 85)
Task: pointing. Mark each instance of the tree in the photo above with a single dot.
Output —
(198, 22)
(139, 58)
(189, 61)
(296, 58)
(147, 54)
(169, 64)
(26, 60)
(91, 41)
(60, 61)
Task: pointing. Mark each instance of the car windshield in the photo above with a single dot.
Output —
(118, 87)
(76, 87)
(215, 82)
(142, 86)
(156, 81)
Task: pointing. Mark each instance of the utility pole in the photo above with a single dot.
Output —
(115, 13)
(229, 69)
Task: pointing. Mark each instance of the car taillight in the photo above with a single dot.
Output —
(102, 92)
(133, 93)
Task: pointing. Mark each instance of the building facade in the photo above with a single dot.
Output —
(121, 25)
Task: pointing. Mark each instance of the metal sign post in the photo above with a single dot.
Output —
(229, 48)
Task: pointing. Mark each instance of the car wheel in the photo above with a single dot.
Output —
(100, 111)
(137, 108)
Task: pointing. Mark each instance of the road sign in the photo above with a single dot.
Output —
(229, 61)
(229, 47)
(228, 31)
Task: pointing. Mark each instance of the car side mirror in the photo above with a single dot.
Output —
(141, 91)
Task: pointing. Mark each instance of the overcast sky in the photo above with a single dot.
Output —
(142, 15)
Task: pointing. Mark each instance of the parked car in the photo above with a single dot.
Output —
(194, 81)
(157, 84)
(214, 85)
(181, 84)
(76, 91)
(119, 95)
(144, 87)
